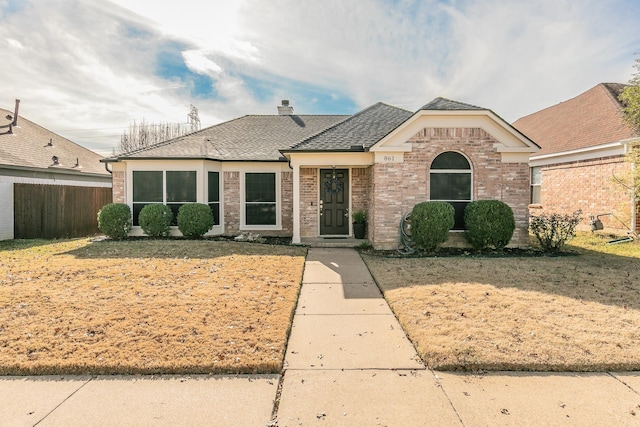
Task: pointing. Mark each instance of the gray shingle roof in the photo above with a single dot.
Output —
(363, 129)
(27, 147)
(250, 137)
(447, 104)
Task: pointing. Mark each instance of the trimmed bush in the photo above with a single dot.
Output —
(155, 220)
(114, 220)
(194, 219)
(489, 223)
(554, 230)
(430, 224)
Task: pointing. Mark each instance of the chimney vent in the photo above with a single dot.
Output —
(15, 115)
(285, 109)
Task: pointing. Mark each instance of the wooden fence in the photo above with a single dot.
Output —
(57, 211)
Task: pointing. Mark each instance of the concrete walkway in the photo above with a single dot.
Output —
(348, 363)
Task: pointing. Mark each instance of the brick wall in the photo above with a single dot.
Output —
(286, 189)
(231, 194)
(117, 180)
(308, 202)
(397, 187)
(587, 185)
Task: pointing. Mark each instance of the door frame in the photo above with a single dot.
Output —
(348, 202)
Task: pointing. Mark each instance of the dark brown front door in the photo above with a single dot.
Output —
(334, 201)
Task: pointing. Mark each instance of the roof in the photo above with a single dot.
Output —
(362, 130)
(252, 137)
(28, 147)
(590, 119)
(444, 104)
(265, 137)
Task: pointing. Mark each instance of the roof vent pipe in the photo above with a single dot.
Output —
(15, 114)
(285, 109)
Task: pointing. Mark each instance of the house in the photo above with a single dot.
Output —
(302, 175)
(583, 142)
(31, 154)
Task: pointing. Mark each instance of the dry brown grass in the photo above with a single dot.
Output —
(145, 306)
(578, 313)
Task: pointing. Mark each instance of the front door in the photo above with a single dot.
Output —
(334, 201)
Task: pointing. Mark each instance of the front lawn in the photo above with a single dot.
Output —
(145, 306)
(577, 312)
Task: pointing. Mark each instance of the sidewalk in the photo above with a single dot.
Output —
(348, 363)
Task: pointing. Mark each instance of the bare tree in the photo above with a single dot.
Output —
(144, 134)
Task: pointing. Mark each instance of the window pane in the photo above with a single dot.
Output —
(536, 175)
(260, 187)
(535, 194)
(147, 186)
(261, 214)
(450, 160)
(450, 186)
(215, 210)
(213, 186)
(181, 186)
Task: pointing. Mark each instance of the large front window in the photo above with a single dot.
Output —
(450, 181)
(260, 199)
(173, 188)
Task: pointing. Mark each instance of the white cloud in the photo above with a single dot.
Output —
(15, 44)
(93, 65)
(199, 63)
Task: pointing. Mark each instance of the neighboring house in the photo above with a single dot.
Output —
(583, 142)
(31, 154)
(302, 175)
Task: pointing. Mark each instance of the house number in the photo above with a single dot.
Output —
(389, 158)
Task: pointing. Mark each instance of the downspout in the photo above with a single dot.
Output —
(106, 167)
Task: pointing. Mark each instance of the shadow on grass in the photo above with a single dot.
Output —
(23, 244)
(588, 276)
(178, 248)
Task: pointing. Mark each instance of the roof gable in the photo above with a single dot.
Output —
(590, 119)
(361, 130)
(445, 113)
(449, 105)
(32, 146)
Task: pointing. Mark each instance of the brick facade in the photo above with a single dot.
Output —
(587, 185)
(231, 197)
(308, 202)
(118, 188)
(397, 187)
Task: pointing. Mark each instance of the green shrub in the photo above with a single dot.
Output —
(155, 220)
(114, 220)
(554, 230)
(194, 219)
(430, 224)
(488, 223)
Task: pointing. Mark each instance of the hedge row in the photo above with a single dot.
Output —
(194, 220)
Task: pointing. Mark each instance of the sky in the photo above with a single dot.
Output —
(87, 69)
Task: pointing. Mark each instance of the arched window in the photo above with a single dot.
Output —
(450, 181)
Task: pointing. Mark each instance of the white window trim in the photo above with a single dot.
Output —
(467, 171)
(243, 220)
